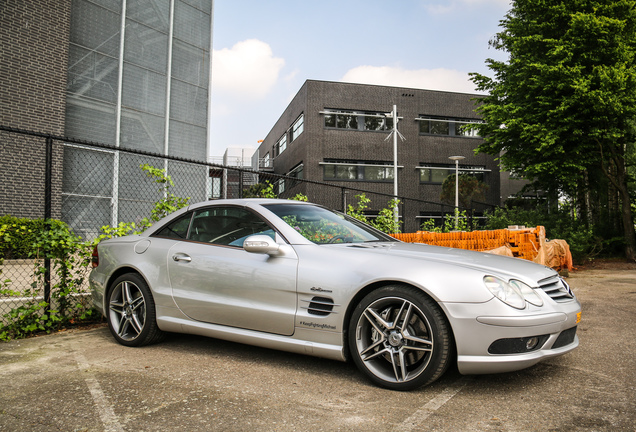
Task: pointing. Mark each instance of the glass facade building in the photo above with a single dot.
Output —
(138, 78)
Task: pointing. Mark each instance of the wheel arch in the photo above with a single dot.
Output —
(113, 277)
(372, 287)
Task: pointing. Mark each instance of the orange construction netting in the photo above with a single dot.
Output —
(526, 243)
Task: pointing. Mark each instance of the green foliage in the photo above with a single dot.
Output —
(560, 224)
(17, 235)
(300, 197)
(470, 189)
(448, 225)
(168, 204)
(69, 257)
(358, 211)
(385, 221)
(30, 318)
(561, 109)
(260, 190)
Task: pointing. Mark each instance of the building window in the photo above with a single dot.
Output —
(437, 173)
(298, 127)
(280, 145)
(295, 173)
(430, 125)
(357, 120)
(369, 171)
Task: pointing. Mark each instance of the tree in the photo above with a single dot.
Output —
(559, 109)
(470, 189)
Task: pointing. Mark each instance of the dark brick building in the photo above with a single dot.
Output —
(133, 75)
(34, 42)
(337, 132)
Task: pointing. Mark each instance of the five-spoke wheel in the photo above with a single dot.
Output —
(399, 337)
(131, 312)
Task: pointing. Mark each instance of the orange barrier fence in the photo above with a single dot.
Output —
(526, 243)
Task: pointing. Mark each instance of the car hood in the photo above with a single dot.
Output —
(495, 265)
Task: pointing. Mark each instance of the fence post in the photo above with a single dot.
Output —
(48, 190)
(343, 192)
(240, 194)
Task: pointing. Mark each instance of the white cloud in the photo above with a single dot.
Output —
(248, 69)
(429, 79)
(445, 7)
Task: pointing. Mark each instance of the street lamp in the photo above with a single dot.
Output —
(393, 115)
(456, 159)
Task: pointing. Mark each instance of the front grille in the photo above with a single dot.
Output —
(556, 288)
(565, 338)
(321, 306)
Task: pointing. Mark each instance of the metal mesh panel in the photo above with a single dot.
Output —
(88, 202)
(153, 13)
(142, 131)
(144, 90)
(146, 47)
(191, 25)
(87, 189)
(189, 180)
(204, 5)
(134, 183)
(92, 75)
(187, 141)
(113, 5)
(90, 120)
(188, 103)
(95, 27)
(85, 215)
(87, 171)
(190, 64)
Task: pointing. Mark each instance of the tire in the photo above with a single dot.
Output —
(131, 312)
(399, 338)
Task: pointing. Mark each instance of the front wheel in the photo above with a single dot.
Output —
(131, 312)
(399, 338)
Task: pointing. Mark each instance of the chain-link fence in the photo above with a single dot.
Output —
(89, 185)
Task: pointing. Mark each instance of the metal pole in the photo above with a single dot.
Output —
(48, 191)
(395, 166)
(456, 193)
(456, 159)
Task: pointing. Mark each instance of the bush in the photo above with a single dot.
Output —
(18, 235)
(559, 224)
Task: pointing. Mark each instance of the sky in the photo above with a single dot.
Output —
(264, 50)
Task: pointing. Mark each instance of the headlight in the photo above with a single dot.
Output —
(505, 292)
(528, 293)
(514, 293)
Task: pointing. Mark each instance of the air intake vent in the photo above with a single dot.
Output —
(556, 288)
(321, 306)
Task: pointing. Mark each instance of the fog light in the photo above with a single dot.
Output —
(518, 345)
(531, 343)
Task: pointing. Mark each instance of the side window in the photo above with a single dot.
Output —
(227, 226)
(176, 229)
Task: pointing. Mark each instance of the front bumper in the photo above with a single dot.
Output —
(477, 327)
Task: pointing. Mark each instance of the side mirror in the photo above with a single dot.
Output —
(261, 244)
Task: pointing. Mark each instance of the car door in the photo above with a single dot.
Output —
(215, 280)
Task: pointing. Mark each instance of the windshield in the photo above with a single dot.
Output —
(322, 226)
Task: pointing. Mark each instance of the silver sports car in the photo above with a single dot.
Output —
(298, 277)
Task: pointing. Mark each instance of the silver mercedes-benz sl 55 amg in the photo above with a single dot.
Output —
(298, 277)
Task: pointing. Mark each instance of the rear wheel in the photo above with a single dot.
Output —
(131, 312)
(399, 338)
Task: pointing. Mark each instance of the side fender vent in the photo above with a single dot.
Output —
(321, 306)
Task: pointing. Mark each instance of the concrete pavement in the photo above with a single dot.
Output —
(81, 380)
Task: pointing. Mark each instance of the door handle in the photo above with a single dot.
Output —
(182, 257)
